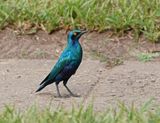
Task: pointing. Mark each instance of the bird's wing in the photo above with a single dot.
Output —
(62, 62)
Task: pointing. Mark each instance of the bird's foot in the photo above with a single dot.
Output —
(58, 96)
(75, 95)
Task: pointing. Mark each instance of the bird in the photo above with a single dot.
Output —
(67, 64)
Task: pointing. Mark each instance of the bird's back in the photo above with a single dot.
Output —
(74, 59)
(66, 65)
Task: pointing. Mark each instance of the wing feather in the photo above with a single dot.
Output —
(59, 66)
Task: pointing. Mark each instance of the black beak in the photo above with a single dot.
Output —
(81, 33)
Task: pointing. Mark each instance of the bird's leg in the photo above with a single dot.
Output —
(74, 95)
(68, 90)
(59, 95)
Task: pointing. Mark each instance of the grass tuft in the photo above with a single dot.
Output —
(122, 114)
(116, 15)
(145, 57)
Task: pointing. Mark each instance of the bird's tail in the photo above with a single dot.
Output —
(41, 87)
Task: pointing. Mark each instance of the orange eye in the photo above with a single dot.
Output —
(75, 34)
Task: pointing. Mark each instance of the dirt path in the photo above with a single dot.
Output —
(131, 82)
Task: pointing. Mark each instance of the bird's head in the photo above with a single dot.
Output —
(73, 36)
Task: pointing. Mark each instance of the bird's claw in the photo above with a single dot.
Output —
(58, 96)
(75, 95)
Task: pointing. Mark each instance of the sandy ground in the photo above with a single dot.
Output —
(133, 82)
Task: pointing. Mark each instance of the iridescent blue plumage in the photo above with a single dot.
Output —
(67, 64)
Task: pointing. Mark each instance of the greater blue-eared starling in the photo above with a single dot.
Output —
(67, 63)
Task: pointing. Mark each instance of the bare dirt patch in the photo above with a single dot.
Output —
(101, 46)
(24, 64)
(132, 82)
(20, 79)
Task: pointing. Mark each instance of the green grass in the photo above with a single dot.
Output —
(142, 17)
(122, 114)
(109, 62)
(145, 57)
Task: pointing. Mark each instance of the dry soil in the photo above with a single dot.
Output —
(27, 59)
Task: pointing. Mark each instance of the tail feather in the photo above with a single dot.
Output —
(45, 79)
(41, 87)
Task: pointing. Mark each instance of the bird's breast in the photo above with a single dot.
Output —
(77, 52)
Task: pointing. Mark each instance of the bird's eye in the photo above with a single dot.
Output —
(75, 34)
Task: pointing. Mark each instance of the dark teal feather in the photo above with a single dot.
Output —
(68, 62)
